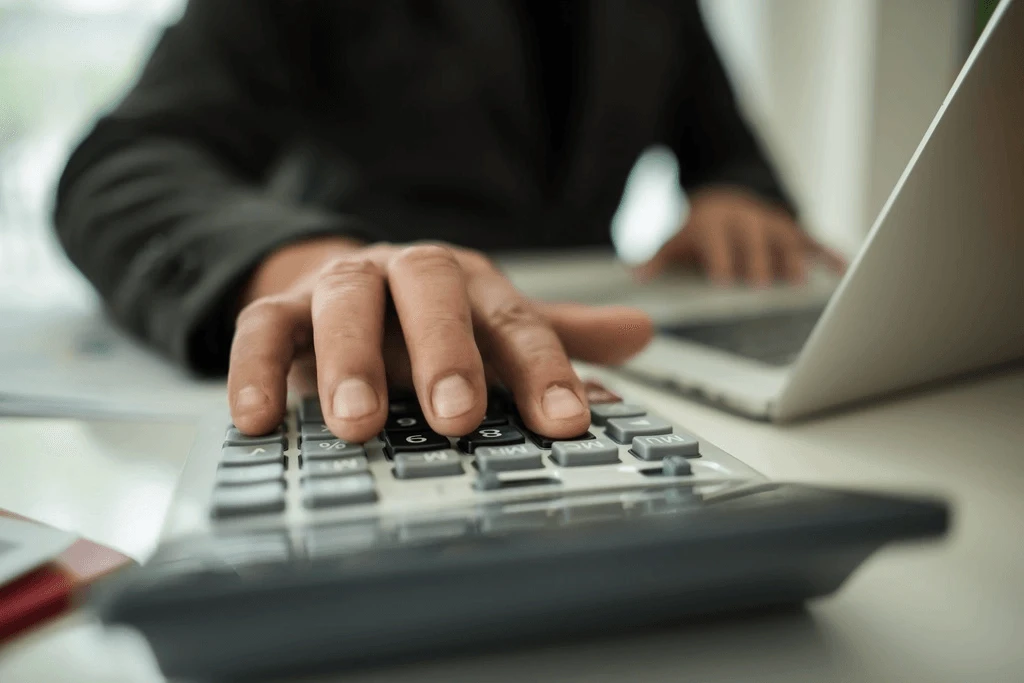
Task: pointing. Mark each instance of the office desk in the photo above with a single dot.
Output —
(949, 612)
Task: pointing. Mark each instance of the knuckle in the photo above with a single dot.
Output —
(271, 310)
(425, 258)
(512, 317)
(474, 261)
(442, 330)
(348, 268)
(347, 336)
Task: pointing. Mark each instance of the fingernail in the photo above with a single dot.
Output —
(560, 403)
(250, 399)
(452, 396)
(353, 399)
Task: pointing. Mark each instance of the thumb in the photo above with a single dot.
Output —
(604, 335)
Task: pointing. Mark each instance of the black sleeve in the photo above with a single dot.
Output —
(162, 205)
(713, 142)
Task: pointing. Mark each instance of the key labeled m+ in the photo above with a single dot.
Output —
(659, 447)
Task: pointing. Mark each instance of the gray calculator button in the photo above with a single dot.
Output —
(582, 453)
(331, 491)
(676, 466)
(430, 464)
(337, 467)
(252, 455)
(601, 413)
(661, 446)
(248, 500)
(488, 481)
(330, 450)
(237, 438)
(625, 429)
(315, 431)
(253, 474)
(523, 456)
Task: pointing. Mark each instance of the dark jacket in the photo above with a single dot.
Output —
(260, 122)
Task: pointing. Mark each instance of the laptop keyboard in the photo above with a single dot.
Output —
(302, 464)
(774, 338)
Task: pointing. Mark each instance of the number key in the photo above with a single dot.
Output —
(406, 423)
(411, 442)
(499, 435)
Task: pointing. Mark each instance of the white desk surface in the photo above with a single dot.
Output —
(947, 612)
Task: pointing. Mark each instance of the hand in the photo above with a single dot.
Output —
(732, 233)
(453, 318)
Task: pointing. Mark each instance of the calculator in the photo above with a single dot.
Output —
(298, 553)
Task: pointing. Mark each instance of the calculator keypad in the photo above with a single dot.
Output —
(262, 476)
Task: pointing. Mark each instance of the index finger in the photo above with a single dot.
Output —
(268, 334)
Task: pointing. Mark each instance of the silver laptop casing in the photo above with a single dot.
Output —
(937, 289)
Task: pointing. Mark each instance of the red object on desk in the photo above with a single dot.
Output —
(50, 590)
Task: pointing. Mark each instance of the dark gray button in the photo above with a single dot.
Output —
(498, 435)
(315, 431)
(252, 455)
(410, 422)
(237, 438)
(422, 441)
(676, 466)
(331, 491)
(601, 413)
(337, 467)
(663, 445)
(309, 410)
(248, 500)
(253, 474)
(524, 456)
(430, 464)
(625, 429)
(330, 450)
(582, 453)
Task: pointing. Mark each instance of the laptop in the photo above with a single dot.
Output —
(935, 292)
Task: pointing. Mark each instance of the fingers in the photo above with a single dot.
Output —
(791, 247)
(429, 293)
(832, 259)
(528, 356)
(755, 246)
(717, 245)
(606, 335)
(348, 307)
(268, 335)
